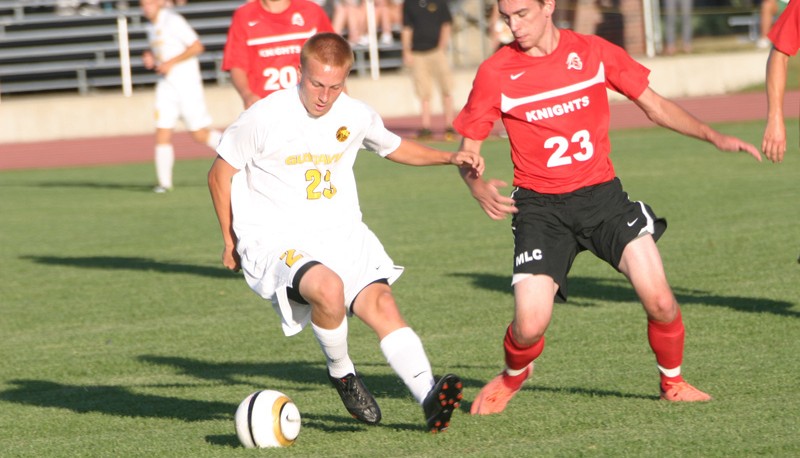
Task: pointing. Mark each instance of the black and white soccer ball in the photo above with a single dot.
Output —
(267, 418)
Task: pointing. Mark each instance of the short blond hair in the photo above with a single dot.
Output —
(329, 49)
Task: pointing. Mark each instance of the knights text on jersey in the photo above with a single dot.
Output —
(554, 109)
(267, 46)
(297, 174)
(785, 33)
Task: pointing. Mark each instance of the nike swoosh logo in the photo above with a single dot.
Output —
(517, 75)
(631, 223)
(419, 374)
(252, 23)
(509, 103)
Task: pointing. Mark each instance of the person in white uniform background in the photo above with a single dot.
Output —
(285, 195)
(174, 47)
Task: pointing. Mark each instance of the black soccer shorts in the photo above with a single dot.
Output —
(551, 229)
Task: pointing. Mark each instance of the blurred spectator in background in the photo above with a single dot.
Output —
(499, 33)
(387, 14)
(264, 41)
(785, 37)
(671, 7)
(425, 37)
(769, 10)
(174, 47)
(350, 21)
(82, 7)
(587, 16)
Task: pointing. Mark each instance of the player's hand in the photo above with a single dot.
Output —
(471, 160)
(230, 259)
(164, 68)
(728, 143)
(774, 143)
(148, 61)
(494, 204)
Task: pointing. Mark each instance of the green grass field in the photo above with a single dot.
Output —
(122, 334)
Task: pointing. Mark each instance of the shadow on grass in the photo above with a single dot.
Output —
(132, 263)
(123, 401)
(386, 385)
(467, 405)
(129, 401)
(584, 291)
(114, 400)
(97, 185)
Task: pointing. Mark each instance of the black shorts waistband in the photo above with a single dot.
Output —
(586, 191)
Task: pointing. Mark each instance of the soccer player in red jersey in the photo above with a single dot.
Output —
(785, 37)
(264, 41)
(549, 89)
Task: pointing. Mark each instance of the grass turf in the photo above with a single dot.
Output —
(124, 336)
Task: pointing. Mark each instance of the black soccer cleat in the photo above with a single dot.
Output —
(440, 402)
(357, 399)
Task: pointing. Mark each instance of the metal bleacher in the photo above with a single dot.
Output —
(42, 51)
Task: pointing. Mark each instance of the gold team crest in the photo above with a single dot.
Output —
(342, 134)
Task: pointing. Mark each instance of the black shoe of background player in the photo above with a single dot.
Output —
(440, 402)
(357, 399)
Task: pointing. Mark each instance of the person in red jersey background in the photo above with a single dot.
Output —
(264, 42)
(785, 37)
(549, 89)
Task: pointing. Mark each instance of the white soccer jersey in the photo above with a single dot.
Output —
(297, 176)
(169, 36)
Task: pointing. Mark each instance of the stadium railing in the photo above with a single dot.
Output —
(43, 51)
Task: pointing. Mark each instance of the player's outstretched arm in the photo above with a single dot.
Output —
(774, 142)
(413, 153)
(487, 193)
(219, 184)
(667, 113)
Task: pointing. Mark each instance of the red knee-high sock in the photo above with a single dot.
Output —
(518, 357)
(666, 340)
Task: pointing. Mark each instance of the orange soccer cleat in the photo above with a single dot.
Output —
(683, 392)
(494, 397)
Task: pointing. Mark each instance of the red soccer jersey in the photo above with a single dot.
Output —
(785, 33)
(554, 108)
(267, 46)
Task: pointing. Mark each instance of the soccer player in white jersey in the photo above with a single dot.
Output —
(285, 195)
(549, 89)
(174, 47)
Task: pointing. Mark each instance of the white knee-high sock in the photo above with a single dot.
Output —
(404, 351)
(334, 346)
(165, 159)
(213, 138)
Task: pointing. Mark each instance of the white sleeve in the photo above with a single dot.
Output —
(378, 138)
(185, 33)
(243, 139)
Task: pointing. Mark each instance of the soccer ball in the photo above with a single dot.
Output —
(267, 418)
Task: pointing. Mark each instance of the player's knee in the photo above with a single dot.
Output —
(386, 307)
(382, 309)
(661, 307)
(528, 332)
(326, 292)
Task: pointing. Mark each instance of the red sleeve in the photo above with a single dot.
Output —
(477, 118)
(235, 52)
(623, 73)
(785, 33)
